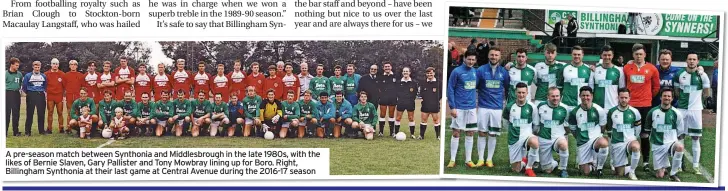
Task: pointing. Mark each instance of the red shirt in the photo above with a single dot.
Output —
(161, 83)
(201, 82)
(237, 82)
(221, 84)
(643, 83)
(55, 82)
(291, 83)
(90, 84)
(143, 83)
(123, 73)
(103, 78)
(72, 81)
(257, 82)
(274, 83)
(182, 81)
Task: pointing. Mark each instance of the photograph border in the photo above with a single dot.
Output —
(603, 182)
(434, 176)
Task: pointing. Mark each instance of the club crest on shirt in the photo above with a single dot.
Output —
(434, 89)
(412, 89)
(60, 79)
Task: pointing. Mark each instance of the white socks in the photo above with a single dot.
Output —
(696, 152)
(676, 162)
(481, 147)
(468, 148)
(454, 142)
(563, 159)
(635, 160)
(491, 147)
(532, 157)
(602, 157)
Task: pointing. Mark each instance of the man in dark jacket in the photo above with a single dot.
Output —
(572, 28)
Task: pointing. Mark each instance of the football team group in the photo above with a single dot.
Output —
(610, 110)
(123, 102)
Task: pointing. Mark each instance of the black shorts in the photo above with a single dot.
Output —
(388, 100)
(406, 106)
(428, 107)
(643, 112)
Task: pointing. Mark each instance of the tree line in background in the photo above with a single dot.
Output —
(418, 55)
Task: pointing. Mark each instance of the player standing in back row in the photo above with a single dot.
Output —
(549, 73)
(576, 75)
(431, 96)
(692, 87)
(605, 81)
(461, 96)
(520, 73)
(493, 81)
(387, 104)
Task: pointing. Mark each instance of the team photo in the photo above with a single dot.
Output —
(373, 103)
(581, 94)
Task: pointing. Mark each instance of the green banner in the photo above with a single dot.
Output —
(676, 25)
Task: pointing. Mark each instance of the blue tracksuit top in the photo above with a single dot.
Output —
(666, 77)
(461, 93)
(492, 86)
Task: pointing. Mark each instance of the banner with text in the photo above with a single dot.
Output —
(165, 164)
(677, 25)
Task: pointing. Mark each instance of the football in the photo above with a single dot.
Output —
(268, 135)
(106, 133)
(400, 136)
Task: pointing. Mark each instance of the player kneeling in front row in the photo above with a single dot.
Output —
(624, 121)
(326, 113)
(521, 141)
(118, 126)
(343, 116)
(364, 116)
(220, 115)
(587, 123)
(308, 121)
(291, 113)
(235, 109)
(77, 114)
(182, 112)
(270, 114)
(163, 111)
(201, 114)
(252, 114)
(144, 115)
(664, 124)
(551, 134)
(130, 109)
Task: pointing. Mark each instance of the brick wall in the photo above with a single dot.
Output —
(508, 46)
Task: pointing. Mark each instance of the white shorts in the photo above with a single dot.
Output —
(545, 149)
(465, 120)
(161, 122)
(693, 121)
(286, 124)
(585, 153)
(489, 120)
(517, 151)
(661, 155)
(249, 121)
(620, 153)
